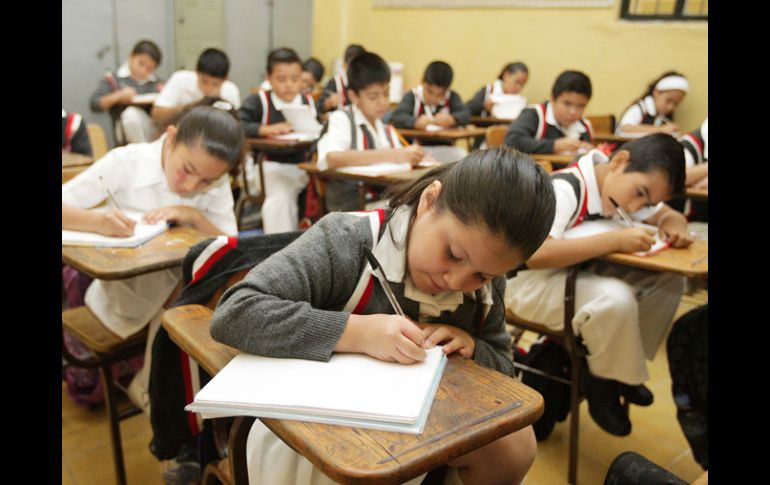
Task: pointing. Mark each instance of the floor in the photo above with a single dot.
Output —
(87, 458)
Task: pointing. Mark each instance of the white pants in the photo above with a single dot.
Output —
(270, 461)
(283, 183)
(622, 313)
(137, 125)
(446, 153)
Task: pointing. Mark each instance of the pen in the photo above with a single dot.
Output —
(622, 213)
(112, 197)
(384, 282)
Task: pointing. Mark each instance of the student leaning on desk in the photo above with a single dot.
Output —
(444, 245)
(621, 313)
(178, 178)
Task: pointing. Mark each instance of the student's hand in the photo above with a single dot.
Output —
(116, 224)
(444, 119)
(413, 154)
(126, 94)
(393, 338)
(673, 227)
(488, 104)
(633, 239)
(181, 214)
(669, 128)
(584, 145)
(702, 183)
(565, 144)
(276, 129)
(452, 338)
(421, 122)
(332, 101)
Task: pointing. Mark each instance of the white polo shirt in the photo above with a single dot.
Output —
(182, 88)
(634, 114)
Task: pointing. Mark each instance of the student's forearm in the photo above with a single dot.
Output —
(664, 213)
(161, 115)
(696, 173)
(560, 253)
(109, 100)
(206, 227)
(77, 219)
(363, 157)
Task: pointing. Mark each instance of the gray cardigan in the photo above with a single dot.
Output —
(291, 304)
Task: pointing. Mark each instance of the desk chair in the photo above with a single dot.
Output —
(98, 140)
(496, 135)
(602, 123)
(108, 349)
(576, 351)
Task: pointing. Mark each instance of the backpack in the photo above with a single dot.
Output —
(550, 357)
(687, 347)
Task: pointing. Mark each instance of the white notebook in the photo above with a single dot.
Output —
(301, 119)
(507, 106)
(142, 233)
(376, 169)
(599, 226)
(350, 390)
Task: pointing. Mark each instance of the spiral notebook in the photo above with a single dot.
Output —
(349, 390)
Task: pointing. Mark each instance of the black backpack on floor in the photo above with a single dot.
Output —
(549, 357)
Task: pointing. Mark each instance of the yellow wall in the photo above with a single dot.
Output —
(621, 57)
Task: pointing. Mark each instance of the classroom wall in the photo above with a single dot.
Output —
(621, 57)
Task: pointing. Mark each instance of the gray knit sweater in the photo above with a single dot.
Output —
(291, 304)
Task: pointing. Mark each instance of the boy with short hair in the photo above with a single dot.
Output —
(131, 124)
(433, 103)
(335, 95)
(557, 125)
(261, 117)
(312, 73)
(187, 87)
(621, 313)
(359, 127)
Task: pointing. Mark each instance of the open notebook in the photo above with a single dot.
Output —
(350, 390)
(301, 119)
(590, 228)
(142, 233)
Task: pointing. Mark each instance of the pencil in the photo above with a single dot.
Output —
(109, 193)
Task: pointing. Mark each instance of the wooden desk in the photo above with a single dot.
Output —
(162, 252)
(448, 135)
(259, 146)
(670, 260)
(556, 159)
(485, 121)
(474, 406)
(702, 194)
(611, 138)
(70, 159)
(379, 180)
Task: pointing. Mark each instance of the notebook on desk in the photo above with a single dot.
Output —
(142, 233)
(301, 119)
(591, 228)
(507, 106)
(350, 390)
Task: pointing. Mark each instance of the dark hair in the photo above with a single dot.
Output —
(513, 68)
(658, 151)
(352, 51)
(213, 62)
(150, 48)
(651, 86)
(438, 73)
(500, 189)
(367, 69)
(314, 67)
(571, 82)
(282, 55)
(216, 130)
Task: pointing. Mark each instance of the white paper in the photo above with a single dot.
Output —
(432, 127)
(296, 136)
(142, 232)
(350, 389)
(301, 119)
(376, 169)
(507, 106)
(147, 98)
(599, 226)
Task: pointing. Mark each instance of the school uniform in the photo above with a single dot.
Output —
(182, 89)
(642, 112)
(349, 129)
(476, 104)
(299, 301)
(283, 180)
(74, 135)
(695, 145)
(621, 313)
(536, 129)
(413, 105)
(336, 85)
(132, 124)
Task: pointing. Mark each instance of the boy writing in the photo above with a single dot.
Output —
(131, 124)
(187, 87)
(359, 127)
(433, 103)
(620, 313)
(556, 126)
